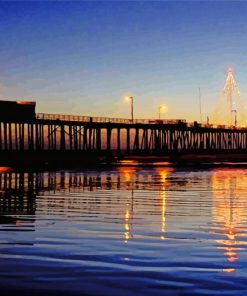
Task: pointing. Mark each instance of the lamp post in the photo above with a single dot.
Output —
(162, 108)
(131, 99)
(235, 111)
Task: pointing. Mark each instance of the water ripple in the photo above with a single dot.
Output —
(125, 231)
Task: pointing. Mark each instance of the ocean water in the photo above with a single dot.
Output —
(124, 231)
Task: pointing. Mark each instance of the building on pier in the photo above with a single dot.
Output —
(17, 110)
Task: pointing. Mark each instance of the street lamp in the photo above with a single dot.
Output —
(131, 99)
(235, 111)
(162, 108)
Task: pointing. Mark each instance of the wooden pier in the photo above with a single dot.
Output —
(96, 137)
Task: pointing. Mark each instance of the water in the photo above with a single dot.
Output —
(124, 231)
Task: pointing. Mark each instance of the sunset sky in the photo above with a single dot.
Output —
(83, 58)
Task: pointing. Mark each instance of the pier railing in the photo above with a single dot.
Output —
(79, 118)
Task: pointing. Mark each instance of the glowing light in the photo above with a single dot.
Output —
(127, 227)
(127, 172)
(160, 163)
(230, 110)
(163, 213)
(128, 162)
(5, 169)
(131, 99)
(128, 99)
(228, 270)
(163, 173)
(25, 103)
(163, 108)
(229, 209)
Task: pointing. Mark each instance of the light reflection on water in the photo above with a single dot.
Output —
(229, 211)
(126, 231)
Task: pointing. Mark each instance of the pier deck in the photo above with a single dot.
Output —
(97, 137)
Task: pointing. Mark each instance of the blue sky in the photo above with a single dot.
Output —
(85, 57)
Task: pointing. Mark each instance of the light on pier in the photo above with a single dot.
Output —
(131, 100)
(162, 109)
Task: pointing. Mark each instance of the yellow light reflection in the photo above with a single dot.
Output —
(126, 226)
(163, 174)
(163, 214)
(128, 219)
(229, 270)
(229, 210)
(128, 173)
(128, 162)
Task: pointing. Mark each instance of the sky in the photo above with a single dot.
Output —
(83, 58)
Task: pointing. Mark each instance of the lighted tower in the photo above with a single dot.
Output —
(230, 109)
(232, 95)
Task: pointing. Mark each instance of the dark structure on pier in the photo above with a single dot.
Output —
(26, 134)
(17, 111)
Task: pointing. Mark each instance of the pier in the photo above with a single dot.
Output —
(81, 137)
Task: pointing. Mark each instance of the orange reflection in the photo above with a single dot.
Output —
(126, 226)
(161, 163)
(128, 219)
(4, 169)
(229, 270)
(163, 174)
(229, 209)
(128, 162)
(163, 213)
(19, 223)
(127, 172)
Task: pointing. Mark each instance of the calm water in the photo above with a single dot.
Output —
(125, 231)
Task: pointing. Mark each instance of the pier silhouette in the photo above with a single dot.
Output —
(55, 137)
